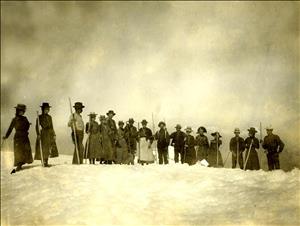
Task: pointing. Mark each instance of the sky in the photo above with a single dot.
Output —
(217, 64)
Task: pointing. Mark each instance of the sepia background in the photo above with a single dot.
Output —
(217, 64)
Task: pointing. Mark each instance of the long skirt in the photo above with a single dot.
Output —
(93, 147)
(108, 151)
(189, 156)
(79, 138)
(212, 158)
(252, 162)
(121, 152)
(144, 153)
(48, 144)
(22, 150)
(202, 153)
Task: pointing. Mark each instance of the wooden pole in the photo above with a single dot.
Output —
(248, 154)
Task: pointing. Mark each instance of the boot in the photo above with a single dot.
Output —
(46, 163)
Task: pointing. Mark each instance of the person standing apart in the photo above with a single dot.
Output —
(22, 149)
(251, 156)
(177, 140)
(46, 136)
(237, 146)
(273, 146)
(163, 140)
(76, 120)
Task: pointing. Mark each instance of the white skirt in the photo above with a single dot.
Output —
(145, 154)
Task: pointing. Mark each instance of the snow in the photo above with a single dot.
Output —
(178, 194)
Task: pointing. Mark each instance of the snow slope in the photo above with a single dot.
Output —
(68, 194)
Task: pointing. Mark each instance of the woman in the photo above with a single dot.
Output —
(202, 144)
(93, 146)
(122, 151)
(189, 151)
(214, 155)
(145, 152)
(22, 149)
(108, 152)
(251, 157)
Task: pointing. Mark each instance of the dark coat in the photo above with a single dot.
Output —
(178, 139)
(252, 163)
(107, 145)
(273, 144)
(202, 147)
(190, 153)
(93, 148)
(131, 137)
(234, 143)
(47, 138)
(215, 153)
(22, 149)
(112, 129)
(147, 133)
(163, 139)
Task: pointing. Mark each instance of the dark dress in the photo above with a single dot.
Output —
(47, 140)
(22, 149)
(93, 146)
(189, 152)
(214, 154)
(252, 163)
(202, 147)
(131, 136)
(108, 150)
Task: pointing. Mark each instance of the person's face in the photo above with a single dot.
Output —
(144, 125)
(201, 132)
(21, 112)
(110, 115)
(121, 125)
(78, 110)
(251, 134)
(46, 110)
(188, 132)
(237, 134)
(177, 129)
(162, 126)
(269, 132)
(93, 119)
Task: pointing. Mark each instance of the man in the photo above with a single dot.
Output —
(112, 130)
(189, 145)
(146, 139)
(46, 136)
(163, 140)
(202, 144)
(215, 156)
(273, 145)
(251, 157)
(131, 136)
(177, 140)
(237, 146)
(77, 123)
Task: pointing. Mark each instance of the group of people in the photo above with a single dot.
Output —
(108, 143)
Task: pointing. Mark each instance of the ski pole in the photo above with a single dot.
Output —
(248, 154)
(40, 140)
(74, 131)
(226, 157)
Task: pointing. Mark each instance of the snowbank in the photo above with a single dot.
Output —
(137, 195)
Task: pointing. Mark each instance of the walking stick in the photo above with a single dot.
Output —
(74, 131)
(248, 154)
(40, 140)
(226, 157)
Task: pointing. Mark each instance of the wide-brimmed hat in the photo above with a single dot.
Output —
(78, 105)
(236, 130)
(45, 105)
(21, 107)
(178, 126)
(188, 129)
(144, 121)
(121, 123)
(102, 117)
(161, 123)
(110, 112)
(131, 120)
(252, 130)
(201, 128)
(215, 133)
(92, 114)
(269, 127)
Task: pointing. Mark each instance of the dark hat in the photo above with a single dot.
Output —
(131, 120)
(21, 107)
(144, 121)
(121, 123)
(160, 123)
(252, 130)
(45, 105)
(92, 114)
(102, 117)
(178, 126)
(78, 105)
(215, 133)
(110, 112)
(203, 128)
(188, 129)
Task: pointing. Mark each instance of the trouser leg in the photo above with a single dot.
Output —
(276, 161)
(241, 162)
(176, 155)
(270, 161)
(165, 156)
(233, 161)
(160, 156)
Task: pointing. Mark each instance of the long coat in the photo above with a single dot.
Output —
(202, 146)
(131, 136)
(215, 153)
(93, 148)
(189, 151)
(107, 145)
(178, 139)
(252, 163)
(47, 138)
(22, 149)
(122, 150)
